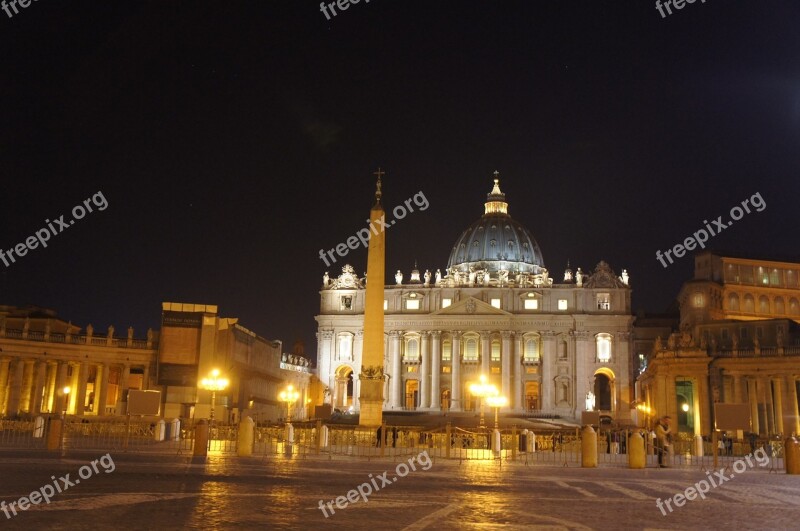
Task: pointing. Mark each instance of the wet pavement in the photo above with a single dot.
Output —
(171, 492)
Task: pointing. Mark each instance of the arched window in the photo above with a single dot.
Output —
(603, 348)
(794, 307)
(447, 350)
(412, 350)
(471, 350)
(531, 353)
(749, 304)
(780, 307)
(733, 302)
(763, 304)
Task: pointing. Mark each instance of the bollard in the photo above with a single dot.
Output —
(325, 436)
(244, 446)
(791, 455)
(38, 427)
(637, 458)
(201, 439)
(496, 442)
(54, 434)
(175, 430)
(698, 445)
(159, 430)
(589, 448)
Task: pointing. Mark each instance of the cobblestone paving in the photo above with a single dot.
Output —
(171, 492)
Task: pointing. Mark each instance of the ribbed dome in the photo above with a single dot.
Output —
(496, 242)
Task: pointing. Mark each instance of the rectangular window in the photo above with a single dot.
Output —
(760, 332)
(495, 303)
(447, 350)
(724, 333)
(743, 333)
(531, 304)
(412, 304)
(495, 370)
(412, 368)
(531, 370)
(603, 301)
(562, 304)
(446, 302)
(446, 369)
(385, 305)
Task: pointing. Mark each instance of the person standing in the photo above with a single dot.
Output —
(663, 440)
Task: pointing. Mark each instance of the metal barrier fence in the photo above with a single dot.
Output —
(555, 448)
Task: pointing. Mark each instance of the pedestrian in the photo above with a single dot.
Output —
(729, 446)
(378, 437)
(663, 440)
(753, 439)
(394, 436)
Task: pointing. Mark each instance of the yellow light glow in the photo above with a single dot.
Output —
(496, 401)
(66, 390)
(685, 407)
(215, 383)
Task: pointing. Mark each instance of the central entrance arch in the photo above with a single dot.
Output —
(604, 389)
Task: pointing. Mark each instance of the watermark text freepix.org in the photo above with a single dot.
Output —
(59, 485)
(700, 237)
(400, 211)
(343, 5)
(702, 487)
(677, 4)
(43, 235)
(365, 490)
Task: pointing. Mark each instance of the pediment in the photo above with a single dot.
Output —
(471, 306)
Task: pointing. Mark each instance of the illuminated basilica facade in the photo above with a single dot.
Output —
(551, 348)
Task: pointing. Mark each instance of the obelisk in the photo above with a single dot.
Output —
(371, 377)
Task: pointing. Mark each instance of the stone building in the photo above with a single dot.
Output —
(494, 310)
(48, 365)
(739, 342)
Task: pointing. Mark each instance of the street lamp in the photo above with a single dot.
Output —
(214, 384)
(496, 402)
(289, 395)
(482, 390)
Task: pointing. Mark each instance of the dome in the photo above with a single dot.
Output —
(496, 242)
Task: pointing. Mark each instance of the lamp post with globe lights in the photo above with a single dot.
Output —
(483, 390)
(214, 383)
(290, 396)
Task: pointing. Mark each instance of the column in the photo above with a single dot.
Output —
(15, 387)
(3, 384)
(737, 389)
(436, 370)
(486, 353)
(425, 369)
(548, 362)
(624, 386)
(122, 404)
(38, 387)
(80, 388)
(778, 405)
(752, 397)
(703, 400)
(765, 397)
(60, 400)
(27, 387)
(397, 368)
(455, 386)
(505, 367)
(103, 394)
(146, 377)
(518, 402)
(793, 409)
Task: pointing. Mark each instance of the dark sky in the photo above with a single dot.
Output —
(233, 140)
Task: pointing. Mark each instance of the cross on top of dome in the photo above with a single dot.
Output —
(496, 200)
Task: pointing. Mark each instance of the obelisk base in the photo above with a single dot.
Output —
(371, 401)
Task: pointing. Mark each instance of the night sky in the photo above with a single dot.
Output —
(234, 140)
